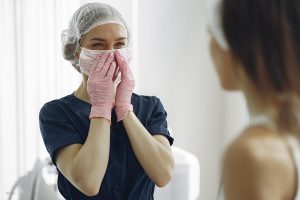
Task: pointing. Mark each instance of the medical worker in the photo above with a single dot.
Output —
(107, 142)
(255, 46)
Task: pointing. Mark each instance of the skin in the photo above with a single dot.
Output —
(257, 164)
(85, 165)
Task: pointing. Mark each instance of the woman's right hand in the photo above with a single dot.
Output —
(100, 86)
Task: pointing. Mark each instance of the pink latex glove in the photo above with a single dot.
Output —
(124, 89)
(100, 86)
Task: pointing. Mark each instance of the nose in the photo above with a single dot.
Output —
(110, 46)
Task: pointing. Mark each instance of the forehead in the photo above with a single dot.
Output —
(113, 31)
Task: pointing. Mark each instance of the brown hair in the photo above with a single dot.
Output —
(265, 36)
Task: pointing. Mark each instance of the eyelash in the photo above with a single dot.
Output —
(100, 44)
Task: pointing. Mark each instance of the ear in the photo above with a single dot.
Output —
(77, 53)
(226, 66)
(78, 48)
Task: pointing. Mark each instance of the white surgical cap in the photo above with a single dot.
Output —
(215, 22)
(84, 20)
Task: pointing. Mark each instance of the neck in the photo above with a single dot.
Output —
(81, 91)
(255, 105)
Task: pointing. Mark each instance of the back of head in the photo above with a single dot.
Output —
(85, 19)
(264, 35)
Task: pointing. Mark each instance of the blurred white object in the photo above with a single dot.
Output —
(40, 183)
(185, 184)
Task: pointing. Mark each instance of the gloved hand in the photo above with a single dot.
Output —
(100, 86)
(124, 89)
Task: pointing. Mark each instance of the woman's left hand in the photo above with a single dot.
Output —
(124, 89)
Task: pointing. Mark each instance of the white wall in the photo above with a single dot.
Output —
(174, 64)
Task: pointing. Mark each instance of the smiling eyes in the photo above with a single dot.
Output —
(102, 44)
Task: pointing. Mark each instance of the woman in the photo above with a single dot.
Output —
(255, 47)
(106, 141)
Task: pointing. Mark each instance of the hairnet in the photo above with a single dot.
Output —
(214, 14)
(84, 20)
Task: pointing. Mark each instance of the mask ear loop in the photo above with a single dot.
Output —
(78, 50)
(78, 46)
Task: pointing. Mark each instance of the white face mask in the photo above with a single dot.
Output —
(87, 58)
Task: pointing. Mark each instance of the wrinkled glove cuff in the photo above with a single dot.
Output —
(122, 111)
(101, 111)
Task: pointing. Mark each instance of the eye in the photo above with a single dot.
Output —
(98, 44)
(120, 44)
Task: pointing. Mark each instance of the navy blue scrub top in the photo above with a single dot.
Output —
(66, 121)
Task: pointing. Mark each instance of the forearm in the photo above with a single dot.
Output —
(154, 157)
(90, 163)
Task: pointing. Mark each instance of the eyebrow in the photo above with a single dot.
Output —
(103, 40)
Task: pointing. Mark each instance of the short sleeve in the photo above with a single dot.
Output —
(157, 124)
(56, 130)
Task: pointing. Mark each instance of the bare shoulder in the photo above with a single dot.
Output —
(257, 143)
(259, 164)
